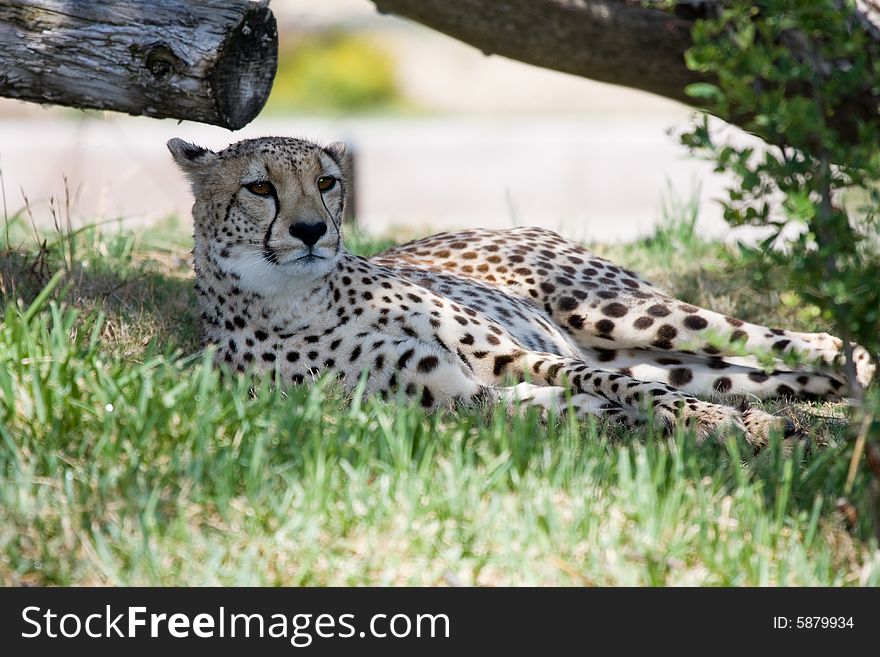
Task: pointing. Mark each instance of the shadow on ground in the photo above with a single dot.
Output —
(143, 302)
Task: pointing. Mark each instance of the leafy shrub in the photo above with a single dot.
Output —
(789, 71)
(797, 73)
(333, 71)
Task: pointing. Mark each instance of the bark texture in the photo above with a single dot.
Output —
(211, 61)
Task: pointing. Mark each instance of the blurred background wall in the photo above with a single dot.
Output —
(444, 137)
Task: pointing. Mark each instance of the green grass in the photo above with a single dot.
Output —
(125, 458)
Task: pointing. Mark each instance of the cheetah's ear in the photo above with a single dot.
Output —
(336, 150)
(193, 160)
(339, 152)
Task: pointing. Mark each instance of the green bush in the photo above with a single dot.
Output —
(333, 72)
(788, 70)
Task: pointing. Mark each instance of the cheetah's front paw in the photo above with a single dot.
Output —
(525, 395)
(705, 418)
(718, 420)
(761, 425)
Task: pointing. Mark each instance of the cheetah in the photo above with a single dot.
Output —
(519, 316)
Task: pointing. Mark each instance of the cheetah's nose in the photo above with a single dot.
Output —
(308, 233)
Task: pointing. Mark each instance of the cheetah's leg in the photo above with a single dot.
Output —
(423, 372)
(554, 399)
(713, 376)
(647, 320)
(666, 403)
(832, 353)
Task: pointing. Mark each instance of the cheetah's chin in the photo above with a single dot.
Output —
(297, 264)
(299, 260)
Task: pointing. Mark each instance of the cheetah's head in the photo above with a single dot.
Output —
(268, 210)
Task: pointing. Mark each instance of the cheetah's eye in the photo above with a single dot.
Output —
(326, 183)
(260, 187)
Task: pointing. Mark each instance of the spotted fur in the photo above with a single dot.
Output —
(519, 315)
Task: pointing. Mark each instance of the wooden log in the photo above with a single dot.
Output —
(617, 41)
(633, 43)
(211, 61)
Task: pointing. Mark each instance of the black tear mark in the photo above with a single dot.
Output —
(268, 252)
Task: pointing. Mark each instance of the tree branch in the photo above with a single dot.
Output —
(624, 42)
(615, 41)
